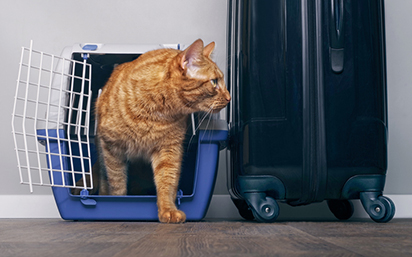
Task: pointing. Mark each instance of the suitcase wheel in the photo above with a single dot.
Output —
(389, 210)
(380, 208)
(264, 208)
(342, 209)
(243, 209)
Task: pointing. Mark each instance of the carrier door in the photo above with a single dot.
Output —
(50, 121)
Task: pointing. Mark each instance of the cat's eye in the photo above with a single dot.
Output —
(214, 82)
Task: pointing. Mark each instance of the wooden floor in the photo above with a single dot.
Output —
(54, 237)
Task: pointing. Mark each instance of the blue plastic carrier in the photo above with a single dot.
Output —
(194, 203)
(67, 133)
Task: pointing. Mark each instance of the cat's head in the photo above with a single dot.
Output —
(207, 91)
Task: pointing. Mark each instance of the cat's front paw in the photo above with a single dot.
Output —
(172, 216)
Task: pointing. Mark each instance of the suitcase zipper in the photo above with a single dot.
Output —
(314, 171)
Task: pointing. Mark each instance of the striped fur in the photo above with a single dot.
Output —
(143, 112)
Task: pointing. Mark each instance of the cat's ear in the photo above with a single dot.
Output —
(209, 49)
(193, 53)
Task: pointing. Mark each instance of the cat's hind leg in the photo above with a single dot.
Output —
(115, 167)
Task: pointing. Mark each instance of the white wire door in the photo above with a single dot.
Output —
(50, 122)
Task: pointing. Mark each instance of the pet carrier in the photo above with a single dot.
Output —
(54, 107)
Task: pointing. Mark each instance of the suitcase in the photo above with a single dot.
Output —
(308, 120)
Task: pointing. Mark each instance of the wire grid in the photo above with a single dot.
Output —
(50, 121)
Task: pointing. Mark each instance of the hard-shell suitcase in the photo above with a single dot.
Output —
(308, 120)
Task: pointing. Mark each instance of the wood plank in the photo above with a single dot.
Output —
(54, 237)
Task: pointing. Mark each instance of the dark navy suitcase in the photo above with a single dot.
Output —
(308, 120)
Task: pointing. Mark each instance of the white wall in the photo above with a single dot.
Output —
(399, 70)
(56, 24)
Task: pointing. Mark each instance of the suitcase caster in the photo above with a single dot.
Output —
(243, 209)
(342, 209)
(380, 208)
(264, 208)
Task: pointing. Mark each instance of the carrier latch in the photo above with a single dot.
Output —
(179, 196)
(84, 198)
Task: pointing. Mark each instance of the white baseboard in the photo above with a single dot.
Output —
(221, 207)
(28, 206)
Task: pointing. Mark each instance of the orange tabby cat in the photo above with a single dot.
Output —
(143, 112)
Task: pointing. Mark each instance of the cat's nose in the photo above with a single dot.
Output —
(228, 98)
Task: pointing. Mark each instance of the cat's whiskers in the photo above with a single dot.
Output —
(208, 112)
(205, 115)
(208, 122)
